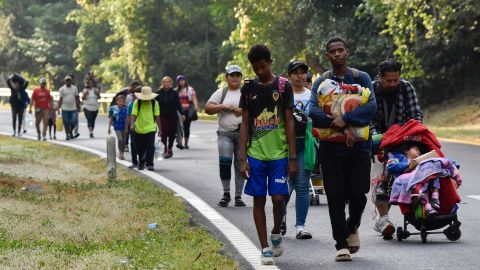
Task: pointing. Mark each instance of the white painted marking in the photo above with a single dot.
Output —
(476, 197)
(236, 237)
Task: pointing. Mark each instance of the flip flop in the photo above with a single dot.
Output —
(343, 255)
(353, 242)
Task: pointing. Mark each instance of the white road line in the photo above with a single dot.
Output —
(476, 197)
(236, 237)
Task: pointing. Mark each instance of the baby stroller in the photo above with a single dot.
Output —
(414, 212)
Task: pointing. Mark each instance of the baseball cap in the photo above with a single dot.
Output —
(68, 78)
(292, 66)
(233, 69)
(42, 80)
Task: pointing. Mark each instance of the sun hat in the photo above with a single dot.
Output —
(146, 94)
(233, 69)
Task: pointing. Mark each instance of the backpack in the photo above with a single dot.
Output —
(153, 101)
(355, 72)
(300, 121)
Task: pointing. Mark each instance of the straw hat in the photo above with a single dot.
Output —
(146, 94)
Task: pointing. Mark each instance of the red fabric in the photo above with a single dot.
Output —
(412, 131)
(41, 98)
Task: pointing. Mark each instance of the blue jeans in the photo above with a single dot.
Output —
(301, 185)
(70, 120)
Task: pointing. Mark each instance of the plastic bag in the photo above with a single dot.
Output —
(59, 123)
(158, 149)
(310, 153)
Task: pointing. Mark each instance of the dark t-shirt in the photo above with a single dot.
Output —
(266, 107)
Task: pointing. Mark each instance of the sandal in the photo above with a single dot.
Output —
(343, 255)
(304, 235)
(239, 202)
(224, 201)
(353, 242)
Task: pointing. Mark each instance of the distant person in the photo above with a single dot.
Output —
(267, 146)
(41, 100)
(52, 120)
(127, 92)
(297, 74)
(131, 133)
(145, 121)
(117, 115)
(70, 105)
(90, 97)
(188, 99)
(345, 168)
(169, 103)
(75, 128)
(18, 99)
(396, 104)
(225, 102)
(308, 82)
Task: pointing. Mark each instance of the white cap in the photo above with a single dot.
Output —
(42, 80)
(233, 69)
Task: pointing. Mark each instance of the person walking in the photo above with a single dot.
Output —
(397, 103)
(52, 119)
(130, 132)
(70, 105)
(144, 121)
(297, 74)
(90, 97)
(267, 146)
(225, 102)
(117, 115)
(346, 168)
(188, 99)
(169, 103)
(42, 101)
(18, 100)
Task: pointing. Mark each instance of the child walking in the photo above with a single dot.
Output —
(267, 146)
(118, 118)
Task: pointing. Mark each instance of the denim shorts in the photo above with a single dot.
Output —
(267, 175)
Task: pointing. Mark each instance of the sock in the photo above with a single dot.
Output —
(300, 228)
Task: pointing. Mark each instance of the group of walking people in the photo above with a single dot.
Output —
(262, 132)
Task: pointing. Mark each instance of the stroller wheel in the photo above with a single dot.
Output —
(399, 233)
(453, 233)
(312, 199)
(317, 199)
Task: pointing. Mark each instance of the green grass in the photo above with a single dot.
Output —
(459, 120)
(81, 221)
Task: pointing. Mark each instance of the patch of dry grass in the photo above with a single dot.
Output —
(79, 220)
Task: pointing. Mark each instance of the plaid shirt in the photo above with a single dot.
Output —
(406, 107)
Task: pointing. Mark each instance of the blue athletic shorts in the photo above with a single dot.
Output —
(271, 175)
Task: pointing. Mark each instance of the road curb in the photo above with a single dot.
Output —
(236, 237)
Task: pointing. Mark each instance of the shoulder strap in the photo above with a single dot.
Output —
(281, 84)
(139, 106)
(224, 94)
(356, 75)
(327, 75)
(153, 108)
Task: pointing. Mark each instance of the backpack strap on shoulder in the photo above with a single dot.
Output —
(224, 94)
(327, 75)
(356, 75)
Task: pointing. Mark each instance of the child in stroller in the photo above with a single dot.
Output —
(426, 194)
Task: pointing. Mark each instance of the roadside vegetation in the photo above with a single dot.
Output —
(58, 211)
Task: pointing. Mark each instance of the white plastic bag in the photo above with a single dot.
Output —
(158, 149)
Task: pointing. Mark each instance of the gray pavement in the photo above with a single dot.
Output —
(197, 170)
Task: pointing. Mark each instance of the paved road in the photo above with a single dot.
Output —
(196, 169)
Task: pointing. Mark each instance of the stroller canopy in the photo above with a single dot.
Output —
(414, 132)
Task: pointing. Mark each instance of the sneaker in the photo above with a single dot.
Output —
(302, 234)
(91, 136)
(267, 257)
(168, 154)
(76, 135)
(225, 200)
(133, 166)
(384, 226)
(277, 246)
(239, 202)
(140, 167)
(186, 147)
(150, 168)
(68, 138)
(179, 146)
(39, 137)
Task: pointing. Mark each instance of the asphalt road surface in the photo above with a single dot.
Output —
(197, 170)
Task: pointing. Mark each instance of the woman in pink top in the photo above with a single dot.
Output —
(188, 98)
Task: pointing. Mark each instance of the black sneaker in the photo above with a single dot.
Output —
(68, 137)
(239, 202)
(76, 135)
(140, 167)
(91, 135)
(225, 200)
(179, 146)
(186, 147)
(150, 168)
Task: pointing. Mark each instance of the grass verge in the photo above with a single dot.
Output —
(58, 211)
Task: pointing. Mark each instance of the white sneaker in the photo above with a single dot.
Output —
(267, 257)
(384, 226)
(277, 246)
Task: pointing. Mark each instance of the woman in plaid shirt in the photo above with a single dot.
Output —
(396, 104)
